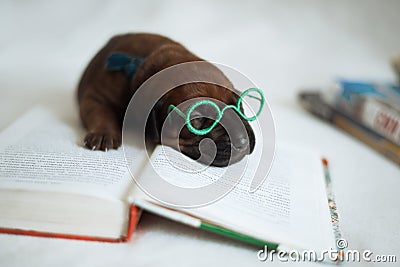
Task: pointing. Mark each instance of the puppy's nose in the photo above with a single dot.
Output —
(240, 143)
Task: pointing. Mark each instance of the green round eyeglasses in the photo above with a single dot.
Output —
(219, 111)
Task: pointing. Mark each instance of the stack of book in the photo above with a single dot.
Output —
(396, 66)
(369, 111)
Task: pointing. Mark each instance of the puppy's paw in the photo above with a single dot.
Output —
(102, 140)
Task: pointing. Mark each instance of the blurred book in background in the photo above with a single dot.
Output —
(396, 67)
(368, 111)
(375, 105)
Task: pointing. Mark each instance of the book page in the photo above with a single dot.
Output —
(43, 152)
(290, 207)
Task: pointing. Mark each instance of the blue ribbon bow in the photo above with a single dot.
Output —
(119, 61)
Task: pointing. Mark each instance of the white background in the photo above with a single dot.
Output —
(282, 46)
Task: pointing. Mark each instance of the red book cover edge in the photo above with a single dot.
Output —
(134, 214)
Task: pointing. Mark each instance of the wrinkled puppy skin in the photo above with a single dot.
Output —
(104, 96)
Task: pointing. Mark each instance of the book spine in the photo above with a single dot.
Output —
(373, 105)
(369, 137)
(381, 119)
(314, 103)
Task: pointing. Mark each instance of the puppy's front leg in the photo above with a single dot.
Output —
(103, 125)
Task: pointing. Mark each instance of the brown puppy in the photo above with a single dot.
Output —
(104, 95)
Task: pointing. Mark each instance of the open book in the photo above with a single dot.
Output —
(290, 209)
(50, 184)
